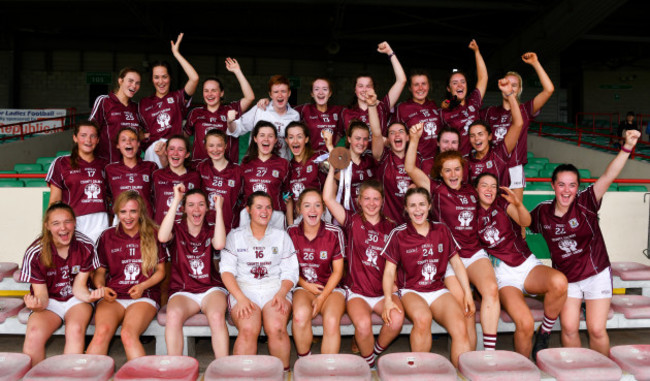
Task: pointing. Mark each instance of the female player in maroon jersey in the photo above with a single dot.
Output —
(460, 109)
(219, 176)
(418, 253)
(79, 181)
(358, 109)
(570, 227)
(131, 266)
(265, 171)
(454, 203)
(518, 271)
(57, 265)
(162, 113)
(366, 232)
(196, 285)
(303, 169)
(320, 248)
(131, 172)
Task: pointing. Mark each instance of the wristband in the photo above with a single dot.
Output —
(625, 149)
(391, 54)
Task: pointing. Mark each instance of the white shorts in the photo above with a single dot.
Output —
(371, 300)
(258, 294)
(150, 153)
(597, 286)
(428, 297)
(61, 308)
(517, 177)
(514, 276)
(127, 302)
(278, 220)
(198, 297)
(336, 289)
(92, 225)
(467, 262)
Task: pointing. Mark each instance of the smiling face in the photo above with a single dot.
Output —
(370, 201)
(417, 208)
(397, 137)
(419, 88)
(130, 84)
(321, 92)
(61, 225)
(448, 142)
(265, 140)
(212, 93)
(516, 85)
(452, 173)
(362, 85)
(195, 209)
(177, 153)
(128, 144)
(296, 140)
(129, 216)
(487, 190)
(215, 146)
(359, 141)
(458, 86)
(161, 80)
(280, 94)
(479, 138)
(566, 187)
(260, 211)
(86, 139)
(311, 208)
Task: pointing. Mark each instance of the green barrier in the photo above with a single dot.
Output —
(536, 242)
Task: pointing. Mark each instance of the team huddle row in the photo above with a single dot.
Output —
(416, 217)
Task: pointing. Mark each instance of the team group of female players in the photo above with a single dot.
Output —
(429, 204)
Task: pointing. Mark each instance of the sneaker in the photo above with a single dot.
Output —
(541, 342)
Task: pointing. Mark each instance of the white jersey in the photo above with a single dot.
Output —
(253, 262)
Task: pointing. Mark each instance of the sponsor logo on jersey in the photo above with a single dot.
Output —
(440, 247)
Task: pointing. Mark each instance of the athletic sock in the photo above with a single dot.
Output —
(489, 342)
(378, 348)
(547, 324)
(304, 354)
(370, 359)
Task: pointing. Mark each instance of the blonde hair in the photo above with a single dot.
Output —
(46, 235)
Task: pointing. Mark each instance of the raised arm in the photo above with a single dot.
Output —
(329, 197)
(516, 209)
(219, 237)
(614, 168)
(416, 174)
(167, 224)
(512, 136)
(547, 85)
(400, 77)
(481, 69)
(192, 75)
(249, 96)
(375, 125)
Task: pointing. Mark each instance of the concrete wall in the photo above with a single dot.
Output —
(31, 149)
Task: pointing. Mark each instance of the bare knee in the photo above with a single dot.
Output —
(363, 327)
(558, 284)
(457, 330)
(301, 317)
(490, 292)
(129, 336)
(175, 317)
(275, 329)
(422, 322)
(597, 332)
(103, 333)
(74, 330)
(332, 324)
(248, 331)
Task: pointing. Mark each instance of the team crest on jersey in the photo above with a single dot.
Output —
(274, 250)
(257, 187)
(92, 190)
(75, 269)
(170, 100)
(91, 172)
(465, 217)
(231, 183)
(323, 255)
(309, 169)
(275, 173)
(491, 235)
(440, 247)
(489, 164)
(145, 178)
(573, 223)
(430, 128)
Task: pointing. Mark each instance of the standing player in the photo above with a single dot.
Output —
(320, 249)
(259, 268)
(162, 114)
(131, 172)
(461, 109)
(358, 109)
(418, 253)
(131, 266)
(195, 282)
(569, 225)
(116, 110)
(78, 180)
(500, 119)
(213, 116)
(57, 264)
(517, 269)
(421, 109)
(366, 232)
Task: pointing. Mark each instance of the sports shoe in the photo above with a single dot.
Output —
(541, 342)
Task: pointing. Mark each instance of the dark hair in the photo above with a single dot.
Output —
(417, 190)
(252, 153)
(217, 80)
(256, 194)
(189, 193)
(482, 175)
(630, 113)
(74, 153)
(279, 79)
(186, 162)
(443, 157)
(164, 64)
(453, 100)
(309, 150)
(122, 129)
(46, 235)
(123, 74)
(565, 168)
(448, 129)
(355, 124)
(354, 101)
(219, 134)
(483, 123)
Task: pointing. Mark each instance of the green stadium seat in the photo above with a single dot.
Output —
(11, 183)
(613, 188)
(45, 161)
(8, 172)
(529, 155)
(584, 173)
(537, 245)
(531, 172)
(632, 188)
(35, 183)
(551, 165)
(28, 168)
(62, 153)
(538, 160)
(537, 166)
(546, 173)
(539, 187)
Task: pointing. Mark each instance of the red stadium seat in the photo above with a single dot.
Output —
(568, 364)
(7, 269)
(72, 368)
(260, 367)
(415, 366)
(180, 368)
(536, 309)
(197, 320)
(634, 359)
(631, 270)
(497, 365)
(16, 276)
(331, 367)
(13, 366)
(10, 307)
(632, 306)
(23, 315)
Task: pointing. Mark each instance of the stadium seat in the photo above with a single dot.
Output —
(7, 269)
(538, 186)
(634, 359)
(259, 367)
(180, 368)
(23, 315)
(28, 168)
(631, 270)
(538, 160)
(537, 166)
(11, 183)
(415, 366)
(632, 188)
(13, 366)
(45, 161)
(531, 172)
(536, 309)
(497, 365)
(567, 364)
(584, 173)
(35, 183)
(8, 172)
(73, 367)
(10, 307)
(551, 166)
(331, 367)
(62, 153)
(546, 172)
(632, 306)
(613, 188)
(529, 155)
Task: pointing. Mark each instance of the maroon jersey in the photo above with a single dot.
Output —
(410, 113)
(500, 120)
(122, 178)
(457, 209)
(575, 241)
(163, 117)
(164, 180)
(192, 259)
(366, 169)
(317, 122)
(120, 255)
(383, 109)
(303, 176)
(500, 235)
(396, 182)
(228, 183)
(201, 120)
(495, 162)
(421, 260)
(60, 277)
(269, 176)
(111, 115)
(365, 242)
(315, 257)
(84, 188)
(462, 116)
